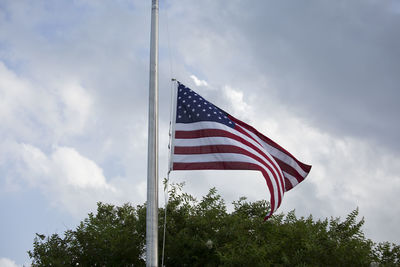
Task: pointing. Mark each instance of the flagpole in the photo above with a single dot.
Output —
(152, 152)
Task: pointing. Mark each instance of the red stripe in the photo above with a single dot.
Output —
(288, 184)
(184, 150)
(242, 133)
(228, 165)
(240, 130)
(222, 133)
(305, 167)
(290, 170)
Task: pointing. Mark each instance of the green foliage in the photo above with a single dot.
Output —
(115, 236)
(192, 227)
(387, 254)
(203, 233)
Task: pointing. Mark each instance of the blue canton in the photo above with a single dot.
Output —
(191, 107)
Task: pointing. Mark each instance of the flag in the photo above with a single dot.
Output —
(204, 137)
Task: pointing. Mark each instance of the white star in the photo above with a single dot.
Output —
(198, 114)
(184, 111)
(204, 110)
(183, 101)
(179, 116)
(188, 105)
(208, 115)
(210, 107)
(189, 97)
(179, 107)
(219, 117)
(193, 109)
(179, 97)
(184, 93)
(190, 116)
(230, 122)
(194, 101)
(205, 103)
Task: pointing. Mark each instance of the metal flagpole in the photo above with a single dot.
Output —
(152, 152)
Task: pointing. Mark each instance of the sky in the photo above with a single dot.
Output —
(321, 78)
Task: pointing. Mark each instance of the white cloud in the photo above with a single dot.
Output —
(237, 102)
(69, 179)
(347, 172)
(18, 101)
(5, 262)
(77, 107)
(34, 111)
(73, 116)
(198, 82)
(77, 170)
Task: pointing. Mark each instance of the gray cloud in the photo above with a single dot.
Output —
(319, 77)
(335, 63)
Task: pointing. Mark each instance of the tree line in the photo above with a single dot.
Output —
(203, 233)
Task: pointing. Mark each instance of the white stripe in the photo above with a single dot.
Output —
(221, 157)
(204, 141)
(285, 158)
(264, 149)
(203, 125)
(291, 178)
(278, 154)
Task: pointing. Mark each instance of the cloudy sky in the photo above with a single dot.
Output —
(319, 77)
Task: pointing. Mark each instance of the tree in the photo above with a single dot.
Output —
(203, 233)
(115, 236)
(387, 254)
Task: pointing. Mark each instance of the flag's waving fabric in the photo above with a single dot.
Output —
(207, 138)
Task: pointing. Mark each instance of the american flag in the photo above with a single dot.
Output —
(207, 138)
